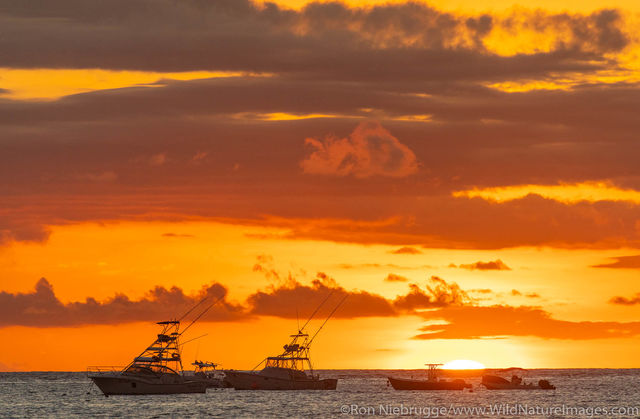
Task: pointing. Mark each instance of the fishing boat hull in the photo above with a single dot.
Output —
(255, 381)
(406, 384)
(112, 385)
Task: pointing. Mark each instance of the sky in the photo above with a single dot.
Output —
(465, 174)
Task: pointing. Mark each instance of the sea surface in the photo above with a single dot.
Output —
(360, 393)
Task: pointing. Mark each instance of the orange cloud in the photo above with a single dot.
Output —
(395, 278)
(41, 307)
(623, 262)
(566, 193)
(291, 296)
(475, 322)
(496, 265)
(406, 251)
(623, 301)
(370, 150)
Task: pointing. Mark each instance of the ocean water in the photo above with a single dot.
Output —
(360, 393)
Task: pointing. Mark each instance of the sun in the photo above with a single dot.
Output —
(463, 364)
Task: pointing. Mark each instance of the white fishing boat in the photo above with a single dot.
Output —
(157, 370)
(291, 370)
(154, 371)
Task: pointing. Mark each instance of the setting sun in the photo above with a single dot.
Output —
(463, 364)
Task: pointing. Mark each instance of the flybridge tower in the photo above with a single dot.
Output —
(164, 352)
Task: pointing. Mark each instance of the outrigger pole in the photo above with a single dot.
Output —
(193, 308)
(203, 312)
(300, 334)
(327, 319)
(191, 340)
(316, 310)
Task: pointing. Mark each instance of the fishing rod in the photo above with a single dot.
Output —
(201, 314)
(191, 340)
(327, 319)
(194, 307)
(316, 310)
(306, 323)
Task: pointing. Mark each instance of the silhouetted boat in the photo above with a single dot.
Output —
(154, 371)
(493, 382)
(291, 370)
(431, 383)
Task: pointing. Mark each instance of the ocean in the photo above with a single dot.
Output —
(360, 393)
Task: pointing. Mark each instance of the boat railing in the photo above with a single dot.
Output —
(100, 369)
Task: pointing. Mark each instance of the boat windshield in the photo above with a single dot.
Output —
(150, 369)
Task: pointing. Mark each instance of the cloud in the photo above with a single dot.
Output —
(325, 40)
(291, 297)
(438, 301)
(177, 235)
(496, 265)
(406, 250)
(566, 193)
(158, 159)
(623, 301)
(395, 278)
(369, 151)
(199, 157)
(438, 293)
(41, 307)
(499, 321)
(481, 291)
(418, 61)
(622, 262)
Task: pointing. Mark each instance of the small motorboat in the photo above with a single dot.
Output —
(431, 383)
(494, 382)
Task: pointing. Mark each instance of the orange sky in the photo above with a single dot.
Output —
(466, 173)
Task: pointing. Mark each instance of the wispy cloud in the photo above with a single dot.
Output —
(565, 193)
(406, 250)
(496, 265)
(622, 262)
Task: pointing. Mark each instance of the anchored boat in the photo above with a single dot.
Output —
(431, 383)
(291, 370)
(493, 382)
(155, 370)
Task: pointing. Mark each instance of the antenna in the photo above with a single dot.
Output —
(327, 319)
(201, 314)
(316, 310)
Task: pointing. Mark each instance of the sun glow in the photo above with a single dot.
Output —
(463, 364)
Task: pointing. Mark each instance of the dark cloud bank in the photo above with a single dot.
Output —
(437, 300)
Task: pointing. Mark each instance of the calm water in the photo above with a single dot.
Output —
(359, 393)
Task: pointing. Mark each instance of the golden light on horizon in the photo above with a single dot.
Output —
(463, 364)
